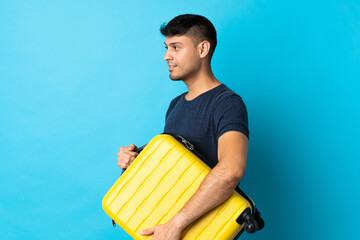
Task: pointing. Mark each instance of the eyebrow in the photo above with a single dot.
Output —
(174, 43)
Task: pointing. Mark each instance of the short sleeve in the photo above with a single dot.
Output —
(231, 115)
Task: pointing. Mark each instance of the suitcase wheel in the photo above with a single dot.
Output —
(250, 224)
(258, 219)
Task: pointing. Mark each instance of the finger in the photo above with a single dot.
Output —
(127, 150)
(127, 154)
(131, 159)
(126, 159)
(133, 154)
(147, 232)
(123, 165)
(132, 147)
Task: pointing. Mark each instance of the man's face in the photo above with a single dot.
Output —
(182, 57)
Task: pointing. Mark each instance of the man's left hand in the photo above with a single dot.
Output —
(167, 231)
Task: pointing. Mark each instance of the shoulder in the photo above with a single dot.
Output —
(230, 113)
(228, 99)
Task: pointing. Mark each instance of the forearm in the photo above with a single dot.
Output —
(214, 190)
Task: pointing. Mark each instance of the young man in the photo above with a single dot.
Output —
(209, 115)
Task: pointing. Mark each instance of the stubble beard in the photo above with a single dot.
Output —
(175, 78)
(183, 77)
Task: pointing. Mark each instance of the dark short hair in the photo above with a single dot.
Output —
(195, 26)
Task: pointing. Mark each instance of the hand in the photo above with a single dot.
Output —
(167, 231)
(126, 156)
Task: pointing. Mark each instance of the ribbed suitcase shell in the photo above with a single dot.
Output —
(158, 184)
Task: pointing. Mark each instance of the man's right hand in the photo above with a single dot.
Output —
(126, 156)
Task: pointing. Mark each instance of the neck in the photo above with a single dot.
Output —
(202, 82)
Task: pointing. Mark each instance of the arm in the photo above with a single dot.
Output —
(215, 188)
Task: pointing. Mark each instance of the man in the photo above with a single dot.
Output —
(209, 115)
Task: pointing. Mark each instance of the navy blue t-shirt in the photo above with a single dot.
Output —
(204, 119)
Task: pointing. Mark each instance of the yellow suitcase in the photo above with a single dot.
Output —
(166, 173)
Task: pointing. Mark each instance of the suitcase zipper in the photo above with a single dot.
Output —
(187, 143)
(190, 146)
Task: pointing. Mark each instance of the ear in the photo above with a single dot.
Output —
(204, 48)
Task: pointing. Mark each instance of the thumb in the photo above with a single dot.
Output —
(132, 147)
(147, 232)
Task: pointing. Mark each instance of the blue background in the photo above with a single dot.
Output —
(79, 79)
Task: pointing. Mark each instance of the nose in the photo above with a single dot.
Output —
(167, 55)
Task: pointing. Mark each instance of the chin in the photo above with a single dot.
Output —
(175, 78)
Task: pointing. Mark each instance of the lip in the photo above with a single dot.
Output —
(171, 67)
